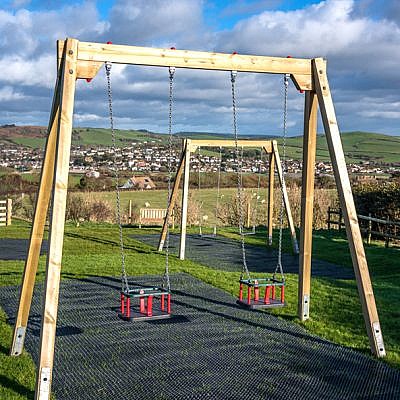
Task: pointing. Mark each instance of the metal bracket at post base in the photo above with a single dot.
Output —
(19, 340)
(306, 307)
(378, 339)
(43, 391)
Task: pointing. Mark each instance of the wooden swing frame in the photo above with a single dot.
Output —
(189, 146)
(82, 60)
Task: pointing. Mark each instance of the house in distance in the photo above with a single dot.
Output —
(139, 183)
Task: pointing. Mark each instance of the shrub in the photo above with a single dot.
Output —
(80, 208)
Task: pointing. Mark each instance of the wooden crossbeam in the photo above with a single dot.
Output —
(91, 56)
(194, 144)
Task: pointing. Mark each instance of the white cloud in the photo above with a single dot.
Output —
(7, 93)
(363, 57)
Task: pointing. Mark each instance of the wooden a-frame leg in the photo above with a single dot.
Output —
(307, 202)
(185, 197)
(37, 230)
(349, 211)
(172, 201)
(285, 197)
(271, 175)
(57, 221)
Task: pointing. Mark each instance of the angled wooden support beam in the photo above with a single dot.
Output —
(37, 230)
(349, 211)
(57, 221)
(307, 202)
(185, 198)
(271, 176)
(172, 200)
(285, 198)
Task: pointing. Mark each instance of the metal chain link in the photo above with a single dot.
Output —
(218, 186)
(124, 277)
(239, 162)
(199, 191)
(283, 166)
(166, 281)
(258, 189)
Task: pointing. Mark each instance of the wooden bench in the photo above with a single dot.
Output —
(154, 216)
(5, 212)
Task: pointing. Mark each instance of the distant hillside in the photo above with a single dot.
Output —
(358, 146)
(35, 136)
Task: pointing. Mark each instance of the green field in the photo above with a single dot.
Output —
(358, 146)
(335, 309)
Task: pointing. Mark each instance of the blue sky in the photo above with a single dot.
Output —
(359, 38)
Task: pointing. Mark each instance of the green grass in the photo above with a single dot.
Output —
(335, 309)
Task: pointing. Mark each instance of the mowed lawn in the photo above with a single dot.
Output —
(92, 249)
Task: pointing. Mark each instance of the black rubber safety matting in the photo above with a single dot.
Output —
(226, 254)
(210, 349)
(17, 249)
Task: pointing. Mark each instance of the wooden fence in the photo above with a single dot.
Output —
(369, 226)
(5, 212)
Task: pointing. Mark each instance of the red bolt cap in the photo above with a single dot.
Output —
(88, 80)
(109, 42)
(172, 48)
(234, 53)
(288, 56)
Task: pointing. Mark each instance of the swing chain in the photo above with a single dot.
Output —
(124, 277)
(239, 161)
(218, 186)
(166, 281)
(283, 166)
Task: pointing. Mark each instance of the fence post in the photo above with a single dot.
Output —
(248, 213)
(9, 212)
(329, 218)
(130, 213)
(369, 230)
(387, 231)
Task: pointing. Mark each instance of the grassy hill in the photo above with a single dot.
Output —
(358, 146)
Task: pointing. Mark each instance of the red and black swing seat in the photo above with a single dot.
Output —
(256, 299)
(143, 305)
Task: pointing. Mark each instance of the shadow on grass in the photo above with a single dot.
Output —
(16, 387)
(108, 242)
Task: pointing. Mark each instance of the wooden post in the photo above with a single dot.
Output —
(271, 175)
(329, 210)
(248, 211)
(369, 232)
(172, 201)
(130, 213)
(285, 197)
(185, 196)
(348, 208)
(307, 203)
(9, 212)
(387, 231)
(37, 231)
(57, 221)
